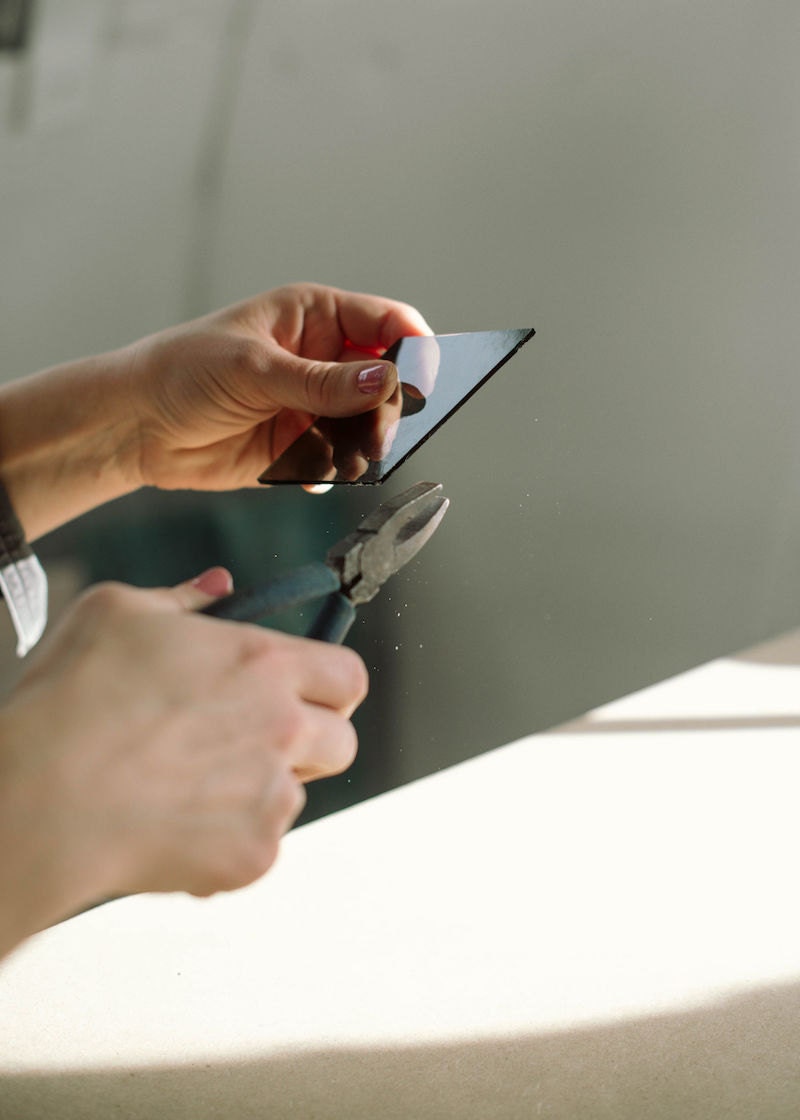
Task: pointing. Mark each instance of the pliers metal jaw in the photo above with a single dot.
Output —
(386, 540)
(354, 570)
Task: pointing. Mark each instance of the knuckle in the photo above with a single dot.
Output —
(291, 291)
(202, 889)
(322, 384)
(257, 860)
(290, 726)
(259, 651)
(360, 678)
(245, 357)
(242, 865)
(285, 801)
(290, 802)
(251, 847)
(232, 876)
(104, 598)
(346, 748)
(354, 670)
(305, 292)
(333, 753)
(259, 644)
(214, 876)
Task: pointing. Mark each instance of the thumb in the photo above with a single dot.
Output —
(332, 388)
(204, 589)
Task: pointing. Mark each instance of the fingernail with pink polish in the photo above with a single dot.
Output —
(216, 582)
(372, 380)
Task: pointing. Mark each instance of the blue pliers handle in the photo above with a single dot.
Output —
(294, 589)
(353, 571)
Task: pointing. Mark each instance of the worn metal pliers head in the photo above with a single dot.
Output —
(386, 540)
(354, 570)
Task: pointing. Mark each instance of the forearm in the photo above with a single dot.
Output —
(32, 896)
(55, 860)
(41, 877)
(37, 887)
(68, 440)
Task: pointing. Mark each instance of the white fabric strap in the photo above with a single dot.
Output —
(24, 586)
(22, 579)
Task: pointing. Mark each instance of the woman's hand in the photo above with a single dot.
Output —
(219, 399)
(208, 405)
(151, 748)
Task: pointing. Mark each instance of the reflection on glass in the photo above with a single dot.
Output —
(437, 374)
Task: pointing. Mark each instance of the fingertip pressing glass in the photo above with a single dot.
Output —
(438, 373)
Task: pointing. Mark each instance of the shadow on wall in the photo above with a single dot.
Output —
(736, 1060)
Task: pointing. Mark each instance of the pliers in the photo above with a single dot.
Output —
(353, 571)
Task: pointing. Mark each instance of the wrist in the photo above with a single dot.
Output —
(68, 439)
(53, 867)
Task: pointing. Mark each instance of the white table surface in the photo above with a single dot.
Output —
(601, 921)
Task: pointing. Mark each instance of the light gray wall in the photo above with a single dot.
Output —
(100, 201)
(621, 175)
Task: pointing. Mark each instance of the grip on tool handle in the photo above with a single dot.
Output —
(334, 620)
(331, 624)
(293, 589)
(296, 588)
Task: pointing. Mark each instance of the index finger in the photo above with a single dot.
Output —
(376, 323)
(328, 675)
(331, 676)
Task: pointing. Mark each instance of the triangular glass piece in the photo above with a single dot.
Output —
(437, 374)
